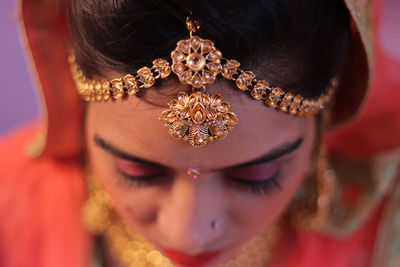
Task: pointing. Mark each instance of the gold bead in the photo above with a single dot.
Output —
(146, 77)
(154, 257)
(258, 93)
(271, 101)
(245, 79)
(233, 64)
(131, 84)
(293, 109)
(140, 256)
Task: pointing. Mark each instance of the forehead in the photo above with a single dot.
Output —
(133, 126)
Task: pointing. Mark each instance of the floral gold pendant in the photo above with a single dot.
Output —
(196, 61)
(198, 118)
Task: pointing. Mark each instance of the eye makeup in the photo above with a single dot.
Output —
(136, 172)
(260, 175)
(137, 169)
(258, 178)
(256, 172)
(266, 186)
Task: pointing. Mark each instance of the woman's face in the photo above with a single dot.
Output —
(245, 181)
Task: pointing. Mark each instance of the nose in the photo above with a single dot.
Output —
(193, 216)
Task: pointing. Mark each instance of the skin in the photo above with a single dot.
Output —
(177, 211)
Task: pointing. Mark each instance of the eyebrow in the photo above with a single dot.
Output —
(121, 154)
(276, 153)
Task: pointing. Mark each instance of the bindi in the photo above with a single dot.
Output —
(193, 172)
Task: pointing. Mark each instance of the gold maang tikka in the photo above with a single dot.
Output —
(199, 117)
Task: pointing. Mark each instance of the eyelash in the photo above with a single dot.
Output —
(262, 187)
(138, 181)
(265, 187)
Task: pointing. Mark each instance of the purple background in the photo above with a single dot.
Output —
(18, 101)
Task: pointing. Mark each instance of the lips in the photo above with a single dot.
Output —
(190, 260)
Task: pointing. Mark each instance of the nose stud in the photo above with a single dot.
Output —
(216, 225)
(193, 172)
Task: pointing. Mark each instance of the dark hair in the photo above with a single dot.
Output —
(295, 44)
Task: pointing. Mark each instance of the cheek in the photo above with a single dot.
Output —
(138, 214)
(138, 205)
(255, 214)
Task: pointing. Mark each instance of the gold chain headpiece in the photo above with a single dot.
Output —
(199, 117)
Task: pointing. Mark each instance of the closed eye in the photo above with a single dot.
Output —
(259, 178)
(137, 169)
(256, 172)
(138, 173)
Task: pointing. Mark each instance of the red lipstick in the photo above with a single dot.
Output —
(190, 260)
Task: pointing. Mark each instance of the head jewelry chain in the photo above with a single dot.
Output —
(199, 117)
